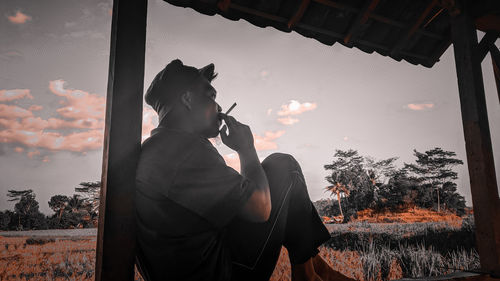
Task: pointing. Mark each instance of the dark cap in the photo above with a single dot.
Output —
(172, 81)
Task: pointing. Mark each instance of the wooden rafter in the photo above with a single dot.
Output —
(223, 5)
(378, 17)
(404, 40)
(300, 12)
(484, 46)
(495, 61)
(360, 20)
(333, 34)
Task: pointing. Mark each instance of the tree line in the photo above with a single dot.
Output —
(356, 182)
(360, 182)
(76, 211)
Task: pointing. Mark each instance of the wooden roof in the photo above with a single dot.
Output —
(417, 31)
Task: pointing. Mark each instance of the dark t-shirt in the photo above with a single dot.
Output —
(185, 197)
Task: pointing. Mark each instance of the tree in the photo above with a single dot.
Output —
(433, 168)
(58, 204)
(26, 209)
(399, 191)
(348, 173)
(5, 218)
(76, 204)
(452, 199)
(338, 189)
(380, 171)
(91, 193)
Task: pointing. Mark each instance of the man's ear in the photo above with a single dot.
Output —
(187, 99)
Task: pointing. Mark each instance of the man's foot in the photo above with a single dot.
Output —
(305, 272)
(326, 272)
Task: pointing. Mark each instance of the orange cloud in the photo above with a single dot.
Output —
(35, 107)
(266, 142)
(420, 106)
(288, 120)
(233, 161)
(80, 110)
(148, 115)
(19, 18)
(14, 94)
(78, 104)
(295, 107)
(13, 112)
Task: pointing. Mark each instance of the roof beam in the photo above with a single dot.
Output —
(298, 15)
(395, 52)
(333, 34)
(484, 46)
(495, 61)
(223, 5)
(378, 18)
(360, 20)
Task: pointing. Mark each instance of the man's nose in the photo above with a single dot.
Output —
(219, 108)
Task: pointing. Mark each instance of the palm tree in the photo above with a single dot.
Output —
(338, 188)
(76, 204)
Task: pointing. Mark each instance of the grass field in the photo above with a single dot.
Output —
(363, 251)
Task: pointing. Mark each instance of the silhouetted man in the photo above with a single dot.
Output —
(199, 219)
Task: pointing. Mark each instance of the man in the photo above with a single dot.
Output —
(199, 219)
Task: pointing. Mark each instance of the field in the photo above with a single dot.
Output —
(361, 250)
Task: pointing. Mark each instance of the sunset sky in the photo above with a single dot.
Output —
(297, 95)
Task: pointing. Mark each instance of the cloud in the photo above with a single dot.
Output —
(80, 110)
(19, 18)
(11, 56)
(13, 111)
(233, 161)
(14, 94)
(266, 142)
(78, 104)
(295, 107)
(420, 106)
(35, 107)
(149, 122)
(288, 120)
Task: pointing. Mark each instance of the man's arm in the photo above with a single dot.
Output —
(258, 206)
(240, 139)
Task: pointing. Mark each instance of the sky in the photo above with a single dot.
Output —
(297, 95)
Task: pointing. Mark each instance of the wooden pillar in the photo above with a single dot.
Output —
(477, 140)
(122, 142)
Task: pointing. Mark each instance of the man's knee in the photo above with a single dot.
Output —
(282, 160)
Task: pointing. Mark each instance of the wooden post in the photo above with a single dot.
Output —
(477, 140)
(122, 142)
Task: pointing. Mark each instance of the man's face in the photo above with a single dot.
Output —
(206, 109)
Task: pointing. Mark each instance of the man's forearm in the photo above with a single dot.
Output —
(252, 169)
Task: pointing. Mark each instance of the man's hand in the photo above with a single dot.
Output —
(240, 136)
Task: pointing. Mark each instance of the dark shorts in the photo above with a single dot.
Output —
(293, 223)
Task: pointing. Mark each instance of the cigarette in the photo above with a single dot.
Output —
(231, 108)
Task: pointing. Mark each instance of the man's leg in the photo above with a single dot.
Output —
(293, 222)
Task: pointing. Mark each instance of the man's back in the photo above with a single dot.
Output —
(185, 195)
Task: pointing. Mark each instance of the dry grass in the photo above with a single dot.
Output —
(62, 258)
(74, 259)
(410, 214)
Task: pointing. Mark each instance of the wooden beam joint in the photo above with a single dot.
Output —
(298, 15)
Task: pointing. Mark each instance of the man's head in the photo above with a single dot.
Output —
(183, 95)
